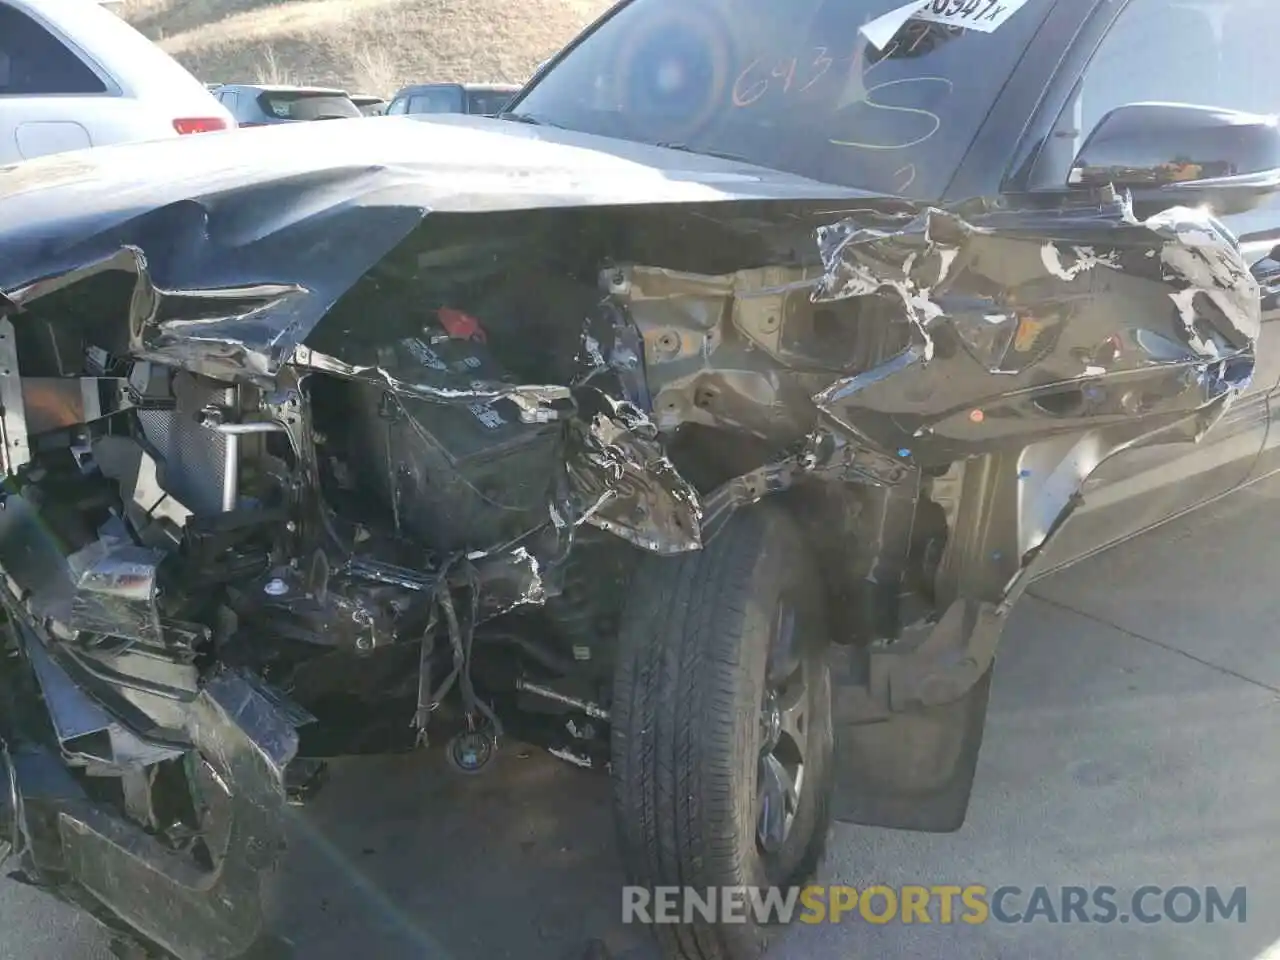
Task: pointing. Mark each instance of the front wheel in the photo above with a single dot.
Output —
(722, 745)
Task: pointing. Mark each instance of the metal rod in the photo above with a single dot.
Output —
(238, 429)
(590, 709)
(231, 473)
(231, 462)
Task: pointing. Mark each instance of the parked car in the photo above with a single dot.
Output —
(701, 421)
(481, 98)
(369, 104)
(74, 75)
(257, 105)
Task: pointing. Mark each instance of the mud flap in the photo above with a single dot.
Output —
(908, 723)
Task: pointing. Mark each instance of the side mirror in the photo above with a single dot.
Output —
(1174, 153)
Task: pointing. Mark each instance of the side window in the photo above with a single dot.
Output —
(1212, 53)
(487, 102)
(398, 106)
(34, 62)
(438, 100)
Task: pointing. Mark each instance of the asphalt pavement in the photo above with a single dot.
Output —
(1134, 739)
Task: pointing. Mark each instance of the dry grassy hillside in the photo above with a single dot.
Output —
(369, 46)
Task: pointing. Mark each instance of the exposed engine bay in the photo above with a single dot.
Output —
(289, 476)
(400, 510)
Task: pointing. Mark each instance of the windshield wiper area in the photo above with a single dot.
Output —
(528, 118)
(685, 148)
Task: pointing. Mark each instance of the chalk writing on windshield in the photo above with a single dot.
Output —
(904, 177)
(796, 74)
(923, 125)
(755, 81)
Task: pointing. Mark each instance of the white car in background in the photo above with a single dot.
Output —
(74, 75)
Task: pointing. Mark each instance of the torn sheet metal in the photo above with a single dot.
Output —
(1026, 325)
(116, 591)
(741, 375)
(85, 731)
(507, 580)
(245, 739)
(537, 403)
(622, 481)
(99, 622)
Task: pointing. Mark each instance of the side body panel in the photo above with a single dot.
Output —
(1260, 238)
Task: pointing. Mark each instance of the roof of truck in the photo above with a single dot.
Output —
(288, 88)
(494, 87)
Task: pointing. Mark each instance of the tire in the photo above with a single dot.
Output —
(694, 655)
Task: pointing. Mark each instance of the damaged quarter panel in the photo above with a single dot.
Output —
(1060, 338)
(1092, 327)
(1024, 329)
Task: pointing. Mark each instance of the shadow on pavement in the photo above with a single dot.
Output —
(402, 857)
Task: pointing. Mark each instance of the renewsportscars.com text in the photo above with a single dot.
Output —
(971, 904)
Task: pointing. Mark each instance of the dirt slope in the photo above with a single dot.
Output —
(369, 46)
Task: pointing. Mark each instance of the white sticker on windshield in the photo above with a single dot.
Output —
(883, 28)
(981, 15)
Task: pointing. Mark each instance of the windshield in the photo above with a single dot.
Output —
(793, 85)
(307, 106)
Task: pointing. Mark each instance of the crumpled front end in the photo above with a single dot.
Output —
(187, 869)
(290, 471)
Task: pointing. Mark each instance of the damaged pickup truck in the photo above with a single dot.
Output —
(699, 419)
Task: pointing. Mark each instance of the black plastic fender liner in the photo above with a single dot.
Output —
(909, 717)
(912, 771)
(909, 720)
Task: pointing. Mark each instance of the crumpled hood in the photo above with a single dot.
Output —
(448, 163)
(266, 228)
